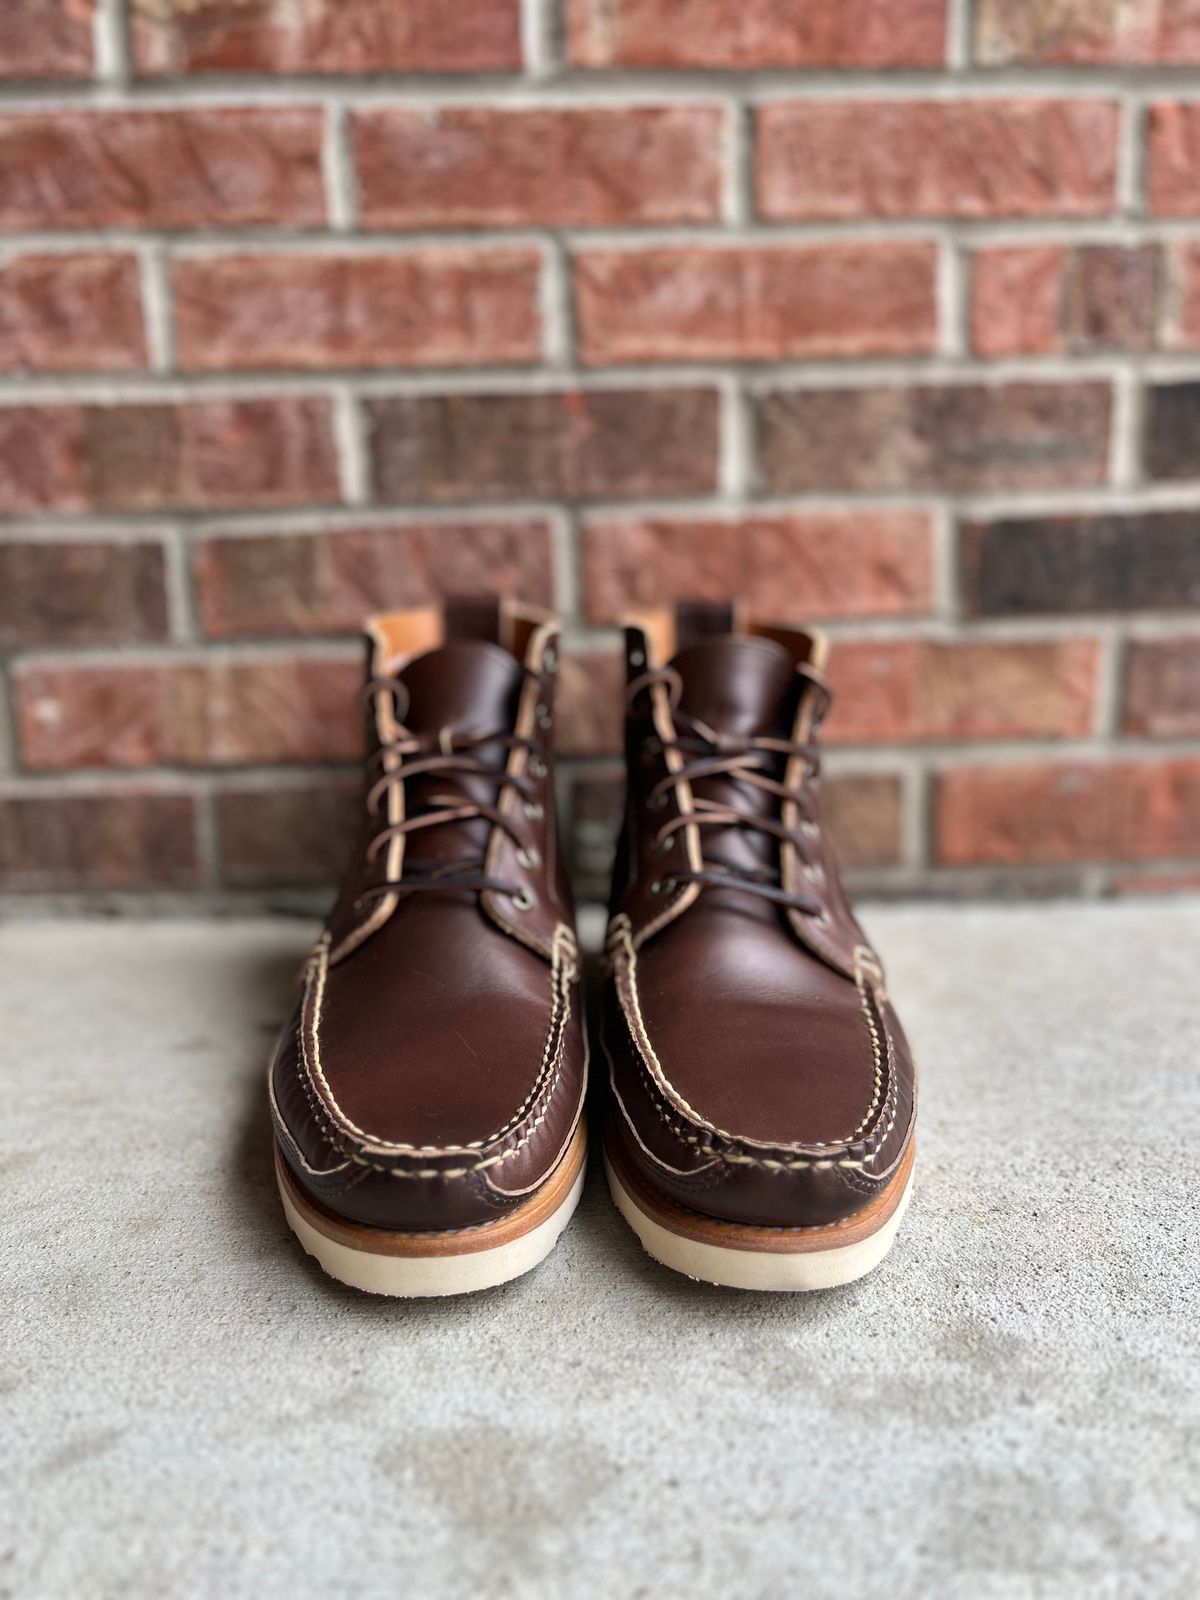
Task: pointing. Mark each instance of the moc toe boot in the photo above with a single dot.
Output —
(759, 1131)
(427, 1092)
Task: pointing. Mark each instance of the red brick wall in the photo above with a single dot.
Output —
(883, 312)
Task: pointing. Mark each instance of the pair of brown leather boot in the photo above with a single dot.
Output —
(428, 1094)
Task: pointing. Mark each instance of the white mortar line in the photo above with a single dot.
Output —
(952, 299)
(154, 276)
(177, 577)
(1109, 690)
(337, 168)
(737, 166)
(353, 451)
(110, 38)
(736, 446)
(916, 822)
(1125, 444)
(539, 40)
(556, 308)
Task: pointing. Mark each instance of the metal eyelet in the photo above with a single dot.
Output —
(550, 658)
(659, 803)
(527, 858)
(659, 847)
(534, 810)
(637, 658)
(542, 717)
(822, 918)
(522, 901)
(814, 871)
(537, 767)
(663, 886)
(809, 830)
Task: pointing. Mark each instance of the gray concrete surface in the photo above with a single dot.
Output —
(1007, 1408)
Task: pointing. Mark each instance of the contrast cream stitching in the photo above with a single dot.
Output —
(619, 940)
(562, 975)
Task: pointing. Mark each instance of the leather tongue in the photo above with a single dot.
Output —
(738, 686)
(465, 686)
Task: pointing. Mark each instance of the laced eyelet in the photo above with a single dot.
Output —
(659, 847)
(527, 858)
(522, 901)
(537, 767)
(662, 886)
(814, 871)
(542, 717)
(822, 918)
(550, 659)
(809, 830)
(534, 810)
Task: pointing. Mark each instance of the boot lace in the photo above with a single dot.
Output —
(452, 751)
(747, 761)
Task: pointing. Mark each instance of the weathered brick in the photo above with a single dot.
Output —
(754, 304)
(296, 834)
(81, 592)
(1058, 300)
(947, 437)
(1162, 688)
(863, 814)
(933, 158)
(591, 704)
(1069, 811)
(756, 33)
(1173, 160)
(898, 690)
(197, 453)
(605, 443)
(328, 582)
(439, 307)
(813, 563)
(1171, 440)
(336, 36)
(1085, 33)
(46, 39)
(101, 840)
(211, 712)
(1143, 560)
(226, 167)
(498, 167)
(1183, 272)
(71, 313)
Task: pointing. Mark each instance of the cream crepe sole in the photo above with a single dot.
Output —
(430, 1265)
(736, 1267)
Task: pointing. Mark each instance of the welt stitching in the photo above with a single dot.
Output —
(560, 978)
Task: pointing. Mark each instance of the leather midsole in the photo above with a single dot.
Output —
(443, 1241)
(749, 1236)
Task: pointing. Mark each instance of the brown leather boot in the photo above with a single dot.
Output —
(759, 1132)
(427, 1093)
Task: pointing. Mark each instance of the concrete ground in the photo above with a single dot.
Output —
(1008, 1407)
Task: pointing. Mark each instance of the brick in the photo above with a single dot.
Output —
(103, 840)
(81, 592)
(591, 704)
(1173, 160)
(71, 313)
(420, 308)
(816, 563)
(1084, 33)
(946, 437)
(756, 33)
(1162, 688)
(1171, 438)
(198, 453)
(903, 690)
(1143, 560)
(273, 837)
(489, 167)
(863, 814)
(1068, 811)
(695, 303)
(936, 158)
(1055, 300)
(328, 582)
(227, 167)
(334, 36)
(1184, 272)
(213, 712)
(609, 443)
(46, 39)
